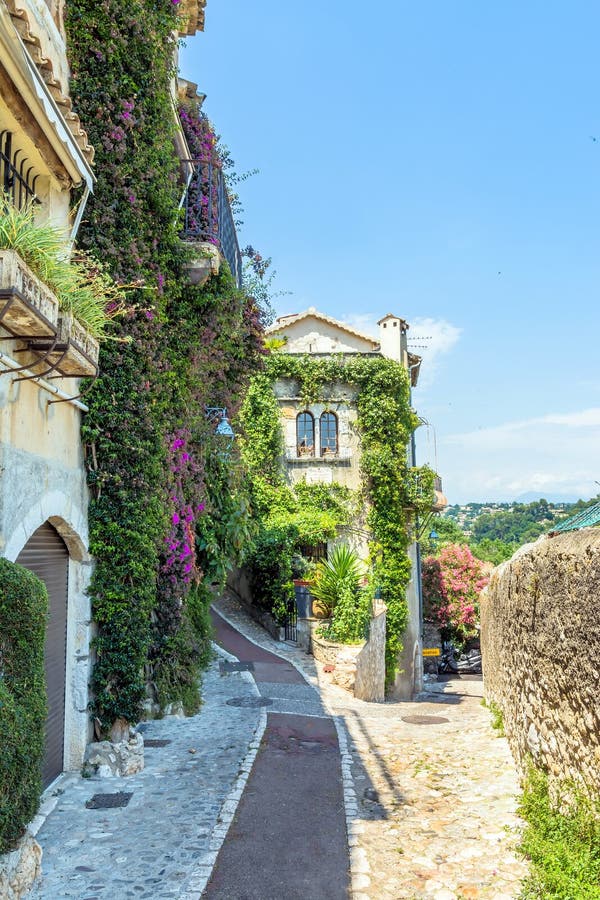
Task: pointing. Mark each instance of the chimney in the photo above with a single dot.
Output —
(392, 338)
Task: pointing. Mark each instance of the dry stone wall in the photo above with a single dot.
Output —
(540, 639)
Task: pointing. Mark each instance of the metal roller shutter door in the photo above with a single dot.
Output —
(47, 556)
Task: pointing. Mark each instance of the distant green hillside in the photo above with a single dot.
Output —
(495, 530)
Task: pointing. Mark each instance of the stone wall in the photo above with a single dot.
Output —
(540, 638)
(370, 664)
(20, 868)
(238, 582)
(359, 668)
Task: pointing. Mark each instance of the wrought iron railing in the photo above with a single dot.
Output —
(17, 178)
(208, 215)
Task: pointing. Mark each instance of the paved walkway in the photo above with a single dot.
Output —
(435, 810)
(289, 834)
(430, 805)
(163, 843)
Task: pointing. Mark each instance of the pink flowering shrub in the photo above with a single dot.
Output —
(452, 583)
(203, 195)
(179, 559)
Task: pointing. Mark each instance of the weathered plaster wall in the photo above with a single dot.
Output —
(343, 469)
(540, 640)
(370, 663)
(238, 582)
(43, 479)
(312, 335)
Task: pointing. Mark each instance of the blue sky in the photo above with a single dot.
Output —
(439, 160)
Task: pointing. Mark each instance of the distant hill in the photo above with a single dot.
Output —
(531, 497)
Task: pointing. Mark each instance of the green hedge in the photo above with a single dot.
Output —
(23, 611)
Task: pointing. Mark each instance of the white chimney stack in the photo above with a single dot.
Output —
(392, 338)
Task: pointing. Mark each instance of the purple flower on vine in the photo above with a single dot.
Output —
(175, 518)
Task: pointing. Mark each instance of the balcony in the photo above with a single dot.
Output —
(302, 455)
(209, 222)
(55, 341)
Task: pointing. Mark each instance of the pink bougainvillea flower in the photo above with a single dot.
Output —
(175, 518)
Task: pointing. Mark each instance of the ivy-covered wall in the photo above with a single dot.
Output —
(392, 491)
(178, 349)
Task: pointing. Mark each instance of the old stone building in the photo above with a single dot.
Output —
(322, 444)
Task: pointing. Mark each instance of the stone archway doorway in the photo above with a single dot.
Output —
(46, 555)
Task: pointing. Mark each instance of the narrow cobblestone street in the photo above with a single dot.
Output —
(434, 815)
(164, 842)
(428, 793)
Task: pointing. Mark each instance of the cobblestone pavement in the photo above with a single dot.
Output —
(164, 841)
(435, 809)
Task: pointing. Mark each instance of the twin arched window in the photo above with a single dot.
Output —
(305, 434)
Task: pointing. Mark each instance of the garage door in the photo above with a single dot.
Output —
(47, 556)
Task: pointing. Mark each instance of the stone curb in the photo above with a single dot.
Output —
(359, 865)
(200, 875)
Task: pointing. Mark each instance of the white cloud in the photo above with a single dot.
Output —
(431, 339)
(427, 337)
(529, 431)
(365, 322)
(556, 453)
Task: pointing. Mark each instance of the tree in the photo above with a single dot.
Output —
(452, 584)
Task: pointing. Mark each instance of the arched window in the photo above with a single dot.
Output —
(305, 434)
(329, 434)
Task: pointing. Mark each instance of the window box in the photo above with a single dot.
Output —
(75, 354)
(27, 307)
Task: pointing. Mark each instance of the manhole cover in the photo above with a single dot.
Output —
(250, 702)
(424, 720)
(109, 801)
(156, 742)
(225, 666)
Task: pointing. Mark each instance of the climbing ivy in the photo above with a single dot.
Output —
(146, 435)
(393, 492)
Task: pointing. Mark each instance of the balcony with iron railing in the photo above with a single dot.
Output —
(207, 214)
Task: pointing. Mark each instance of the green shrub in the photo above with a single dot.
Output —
(270, 567)
(342, 570)
(337, 588)
(563, 845)
(23, 611)
(185, 654)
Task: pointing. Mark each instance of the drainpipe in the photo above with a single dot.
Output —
(413, 453)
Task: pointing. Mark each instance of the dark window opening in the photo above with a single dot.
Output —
(305, 434)
(329, 434)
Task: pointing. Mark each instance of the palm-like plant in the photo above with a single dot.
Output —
(341, 572)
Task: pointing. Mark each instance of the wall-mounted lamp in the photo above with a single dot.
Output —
(225, 433)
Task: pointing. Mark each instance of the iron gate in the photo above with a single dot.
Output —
(291, 621)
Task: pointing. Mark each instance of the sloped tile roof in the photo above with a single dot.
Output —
(21, 22)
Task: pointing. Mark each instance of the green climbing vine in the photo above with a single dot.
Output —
(393, 492)
(148, 442)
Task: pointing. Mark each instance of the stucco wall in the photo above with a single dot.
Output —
(540, 640)
(342, 469)
(43, 479)
(314, 335)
